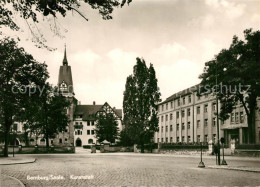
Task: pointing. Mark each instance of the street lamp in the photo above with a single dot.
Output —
(201, 164)
(218, 145)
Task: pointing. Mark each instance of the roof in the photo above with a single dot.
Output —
(181, 93)
(88, 111)
(119, 112)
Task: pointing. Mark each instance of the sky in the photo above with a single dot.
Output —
(176, 36)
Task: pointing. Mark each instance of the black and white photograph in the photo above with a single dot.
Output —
(129, 93)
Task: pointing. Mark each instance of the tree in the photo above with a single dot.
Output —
(124, 138)
(141, 97)
(31, 10)
(106, 128)
(241, 80)
(19, 73)
(51, 117)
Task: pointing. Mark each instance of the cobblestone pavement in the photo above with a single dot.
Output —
(130, 170)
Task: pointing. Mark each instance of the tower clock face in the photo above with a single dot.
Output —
(63, 86)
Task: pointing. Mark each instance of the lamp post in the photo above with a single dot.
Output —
(201, 164)
(223, 160)
(218, 145)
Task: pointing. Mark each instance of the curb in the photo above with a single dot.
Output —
(21, 184)
(236, 169)
(28, 162)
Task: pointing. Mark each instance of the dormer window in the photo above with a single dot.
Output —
(63, 86)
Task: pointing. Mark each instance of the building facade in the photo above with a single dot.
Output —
(188, 118)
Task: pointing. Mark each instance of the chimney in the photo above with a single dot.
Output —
(94, 103)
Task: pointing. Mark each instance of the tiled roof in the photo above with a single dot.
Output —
(119, 112)
(88, 111)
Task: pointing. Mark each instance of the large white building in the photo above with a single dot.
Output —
(185, 117)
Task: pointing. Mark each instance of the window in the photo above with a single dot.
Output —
(214, 138)
(92, 132)
(241, 117)
(166, 128)
(183, 139)
(177, 114)
(183, 100)
(232, 118)
(171, 139)
(170, 116)
(15, 127)
(60, 140)
(162, 119)
(188, 111)
(188, 124)
(214, 122)
(214, 107)
(66, 140)
(166, 106)
(206, 138)
(198, 110)
(162, 140)
(88, 132)
(182, 113)
(205, 108)
(88, 123)
(79, 132)
(77, 123)
(171, 104)
(182, 126)
(93, 123)
(158, 140)
(90, 141)
(178, 126)
(76, 133)
(166, 140)
(237, 117)
(178, 139)
(80, 123)
(179, 102)
(198, 123)
(198, 138)
(162, 107)
(171, 128)
(162, 129)
(205, 122)
(189, 140)
(66, 130)
(166, 118)
(189, 98)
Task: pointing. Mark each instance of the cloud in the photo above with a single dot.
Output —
(167, 53)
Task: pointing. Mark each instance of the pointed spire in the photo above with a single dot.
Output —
(65, 61)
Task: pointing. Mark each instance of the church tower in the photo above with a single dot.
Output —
(65, 82)
(65, 85)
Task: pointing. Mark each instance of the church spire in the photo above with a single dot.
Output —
(65, 61)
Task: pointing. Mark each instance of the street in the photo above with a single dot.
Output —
(129, 169)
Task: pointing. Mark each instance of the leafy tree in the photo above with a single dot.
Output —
(33, 9)
(19, 73)
(124, 138)
(240, 83)
(141, 97)
(106, 128)
(51, 117)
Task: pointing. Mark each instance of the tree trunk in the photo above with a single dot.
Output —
(47, 140)
(7, 131)
(26, 139)
(251, 127)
